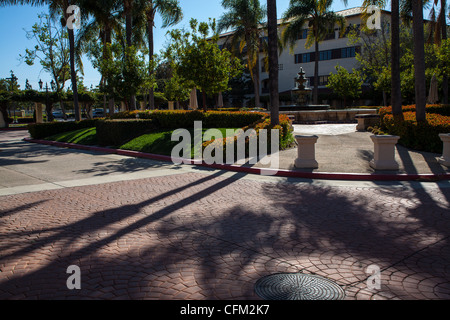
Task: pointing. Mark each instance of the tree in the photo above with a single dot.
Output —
(246, 19)
(58, 7)
(345, 84)
(396, 93)
(198, 59)
(272, 25)
(103, 26)
(419, 60)
(438, 34)
(171, 14)
(320, 19)
(53, 53)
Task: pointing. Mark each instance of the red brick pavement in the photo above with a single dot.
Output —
(199, 236)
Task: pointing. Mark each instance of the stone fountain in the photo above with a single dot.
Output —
(302, 96)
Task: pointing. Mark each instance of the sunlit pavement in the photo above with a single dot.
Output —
(139, 229)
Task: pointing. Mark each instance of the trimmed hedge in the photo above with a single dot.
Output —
(45, 130)
(177, 119)
(118, 132)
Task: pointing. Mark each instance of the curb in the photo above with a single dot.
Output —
(256, 171)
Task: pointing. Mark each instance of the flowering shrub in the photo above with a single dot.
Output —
(253, 131)
(441, 109)
(418, 136)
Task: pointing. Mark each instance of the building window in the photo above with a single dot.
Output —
(303, 34)
(280, 67)
(298, 58)
(306, 57)
(325, 55)
(331, 35)
(348, 52)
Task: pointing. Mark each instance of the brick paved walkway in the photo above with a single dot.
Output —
(206, 236)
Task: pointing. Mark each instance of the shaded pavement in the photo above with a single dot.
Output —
(141, 229)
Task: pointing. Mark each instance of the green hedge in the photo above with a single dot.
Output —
(44, 130)
(177, 119)
(118, 132)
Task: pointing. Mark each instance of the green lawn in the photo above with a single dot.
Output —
(161, 142)
(155, 143)
(83, 136)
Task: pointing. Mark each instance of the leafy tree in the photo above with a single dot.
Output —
(199, 60)
(53, 53)
(345, 84)
(58, 8)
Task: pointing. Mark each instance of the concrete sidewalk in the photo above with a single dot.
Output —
(142, 229)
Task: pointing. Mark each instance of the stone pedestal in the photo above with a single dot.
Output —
(39, 111)
(306, 152)
(445, 159)
(384, 153)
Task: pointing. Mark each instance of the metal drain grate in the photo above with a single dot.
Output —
(298, 286)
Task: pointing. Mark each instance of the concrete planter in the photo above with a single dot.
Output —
(306, 152)
(445, 159)
(384, 153)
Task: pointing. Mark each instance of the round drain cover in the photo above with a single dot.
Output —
(297, 286)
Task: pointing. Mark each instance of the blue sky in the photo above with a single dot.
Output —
(16, 19)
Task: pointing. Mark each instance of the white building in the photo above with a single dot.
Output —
(334, 50)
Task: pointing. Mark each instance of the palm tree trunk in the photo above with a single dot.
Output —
(316, 75)
(273, 61)
(256, 85)
(444, 37)
(129, 33)
(73, 73)
(150, 22)
(396, 94)
(419, 60)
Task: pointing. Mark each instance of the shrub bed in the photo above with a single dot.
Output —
(418, 136)
(44, 130)
(285, 129)
(442, 109)
(118, 132)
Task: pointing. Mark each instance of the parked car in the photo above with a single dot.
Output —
(98, 113)
(58, 114)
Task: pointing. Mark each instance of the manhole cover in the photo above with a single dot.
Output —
(297, 286)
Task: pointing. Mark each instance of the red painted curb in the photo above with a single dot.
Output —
(257, 171)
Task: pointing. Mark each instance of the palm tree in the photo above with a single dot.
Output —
(272, 25)
(396, 92)
(320, 18)
(105, 22)
(246, 18)
(419, 60)
(55, 6)
(171, 14)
